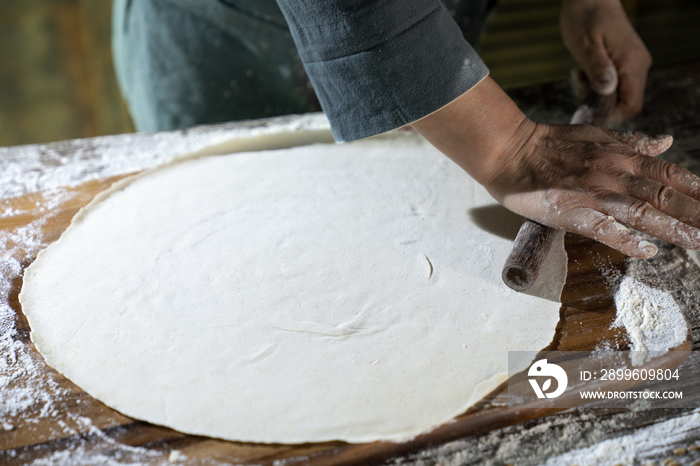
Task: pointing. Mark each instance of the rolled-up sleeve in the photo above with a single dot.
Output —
(377, 65)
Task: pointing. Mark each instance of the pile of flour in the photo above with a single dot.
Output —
(648, 312)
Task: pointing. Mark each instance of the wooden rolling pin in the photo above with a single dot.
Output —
(534, 240)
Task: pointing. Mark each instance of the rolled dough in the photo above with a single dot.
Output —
(310, 294)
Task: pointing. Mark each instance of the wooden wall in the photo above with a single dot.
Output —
(57, 82)
(56, 78)
(523, 45)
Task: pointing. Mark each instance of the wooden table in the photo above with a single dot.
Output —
(45, 417)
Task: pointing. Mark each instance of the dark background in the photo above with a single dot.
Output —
(57, 82)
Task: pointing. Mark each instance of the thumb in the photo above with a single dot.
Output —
(600, 70)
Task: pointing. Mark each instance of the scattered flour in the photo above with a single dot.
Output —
(95, 448)
(648, 312)
(641, 445)
(30, 393)
(23, 169)
(694, 255)
(578, 438)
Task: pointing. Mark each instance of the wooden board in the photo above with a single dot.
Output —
(78, 425)
(586, 321)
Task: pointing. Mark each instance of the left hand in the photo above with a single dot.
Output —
(577, 178)
(613, 57)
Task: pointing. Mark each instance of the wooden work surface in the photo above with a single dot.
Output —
(63, 425)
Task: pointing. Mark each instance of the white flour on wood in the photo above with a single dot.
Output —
(638, 446)
(578, 438)
(33, 168)
(648, 313)
(31, 393)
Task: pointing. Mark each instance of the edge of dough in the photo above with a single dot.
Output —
(257, 143)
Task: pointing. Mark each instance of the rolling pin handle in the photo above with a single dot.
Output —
(530, 249)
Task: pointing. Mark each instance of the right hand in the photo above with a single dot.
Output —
(612, 55)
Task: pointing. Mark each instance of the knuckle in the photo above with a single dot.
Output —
(603, 197)
(670, 171)
(657, 169)
(630, 183)
(641, 55)
(642, 164)
(600, 224)
(638, 210)
(664, 196)
(628, 138)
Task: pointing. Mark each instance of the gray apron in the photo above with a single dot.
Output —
(182, 63)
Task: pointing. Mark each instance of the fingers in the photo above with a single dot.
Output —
(642, 143)
(632, 68)
(666, 186)
(579, 83)
(611, 230)
(599, 69)
(597, 182)
(668, 174)
(642, 216)
(630, 98)
(645, 193)
(665, 199)
(605, 229)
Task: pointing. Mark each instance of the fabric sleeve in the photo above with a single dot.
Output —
(377, 65)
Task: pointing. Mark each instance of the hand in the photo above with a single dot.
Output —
(604, 43)
(577, 178)
(596, 182)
